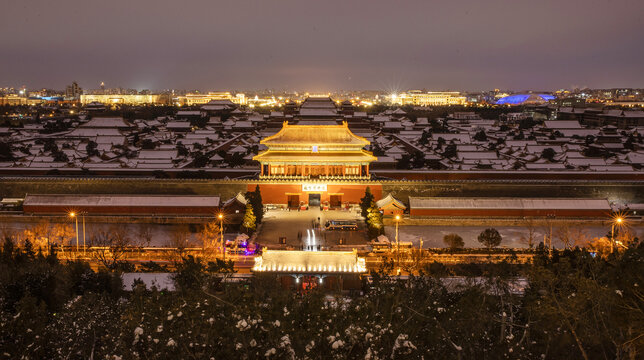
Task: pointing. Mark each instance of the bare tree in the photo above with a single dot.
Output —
(571, 236)
(144, 234)
(40, 234)
(179, 236)
(563, 234)
(530, 226)
(626, 237)
(210, 238)
(178, 241)
(579, 236)
(110, 245)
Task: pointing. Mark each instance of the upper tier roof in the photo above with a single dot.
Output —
(315, 135)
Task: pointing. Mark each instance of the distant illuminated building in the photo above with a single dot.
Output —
(431, 98)
(126, 99)
(200, 99)
(12, 99)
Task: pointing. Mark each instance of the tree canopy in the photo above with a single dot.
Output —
(490, 238)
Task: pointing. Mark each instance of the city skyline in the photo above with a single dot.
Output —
(324, 47)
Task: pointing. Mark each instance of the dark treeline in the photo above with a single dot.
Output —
(576, 306)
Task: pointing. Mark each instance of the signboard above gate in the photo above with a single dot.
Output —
(314, 187)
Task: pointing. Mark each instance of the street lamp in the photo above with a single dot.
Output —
(397, 243)
(84, 246)
(221, 230)
(617, 221)
(73, 216)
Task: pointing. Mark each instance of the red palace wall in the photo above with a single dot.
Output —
(121, 210)
(275, 193)
(509, 212)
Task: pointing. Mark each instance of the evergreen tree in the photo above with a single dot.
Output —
(7, 250)
(29, 249)
(374, 221)
(424, 137)
(490, 238)
(454, 241)
(255, 199)
(480, 135)
(548, 154)
(366, 201)
(450, 150)
(248, 224)
(404, 163)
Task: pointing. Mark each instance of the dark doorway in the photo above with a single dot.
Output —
(336, 201)
(314, 200)
(293, 201)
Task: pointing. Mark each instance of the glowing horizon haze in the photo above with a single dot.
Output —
(321, 46)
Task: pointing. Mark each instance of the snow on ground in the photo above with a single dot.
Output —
(512, 235)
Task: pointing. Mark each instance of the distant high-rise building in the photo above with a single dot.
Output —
(73, 91)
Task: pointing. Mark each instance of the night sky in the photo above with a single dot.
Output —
(323, 45)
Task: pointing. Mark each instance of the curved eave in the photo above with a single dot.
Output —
(308, 157)
(274, 139)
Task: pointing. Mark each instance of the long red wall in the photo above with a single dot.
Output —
(351, 193)
(120, 210)
(509, 212)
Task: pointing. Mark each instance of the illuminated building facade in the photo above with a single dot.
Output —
(12, 99)
(315, 152)
(525, 99)
(201, 99)
(313, 165)
(431, 98)
(126, 99)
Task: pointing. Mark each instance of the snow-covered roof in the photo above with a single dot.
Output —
(508, 203)
(562, 124)
(188, 113)
(106, 122)
(238, 198)
(72, 201)
(158, 154)
(390, 200)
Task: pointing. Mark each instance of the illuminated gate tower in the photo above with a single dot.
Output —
(314, 156)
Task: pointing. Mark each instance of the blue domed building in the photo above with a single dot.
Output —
(525, 99)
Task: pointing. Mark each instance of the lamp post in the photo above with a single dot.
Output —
(73, 216)
(551, 218)
(618, 221)
(84, 246)
(221, 230)
(397, 243)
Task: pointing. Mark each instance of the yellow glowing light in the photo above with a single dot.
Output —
(72, 214)
(220, 216)
(619, 220)
(397, 217)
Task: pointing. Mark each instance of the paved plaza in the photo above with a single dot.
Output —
(301, 228)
